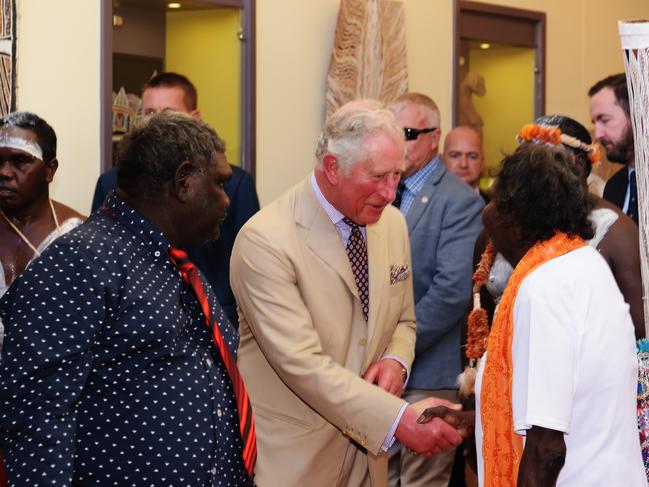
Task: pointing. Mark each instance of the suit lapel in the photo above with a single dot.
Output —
(425, 196)
(377, 261)
(321, 235)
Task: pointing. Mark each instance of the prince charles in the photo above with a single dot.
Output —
(322, 278)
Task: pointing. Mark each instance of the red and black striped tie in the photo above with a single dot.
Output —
(190, 275)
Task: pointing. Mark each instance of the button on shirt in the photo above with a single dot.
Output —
(415, 182)
(109, 375)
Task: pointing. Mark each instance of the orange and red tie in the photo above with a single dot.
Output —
(190, 275)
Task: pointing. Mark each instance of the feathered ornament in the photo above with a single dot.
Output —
(477, 325)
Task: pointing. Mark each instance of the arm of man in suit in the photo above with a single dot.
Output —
(265, 283)
(446, 300)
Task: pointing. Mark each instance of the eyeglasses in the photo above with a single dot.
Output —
(412, 134)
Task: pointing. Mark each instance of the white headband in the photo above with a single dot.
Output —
(12, 142)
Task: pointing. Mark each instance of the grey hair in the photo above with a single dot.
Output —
(421, 100)
(150, 155)
(346, 130)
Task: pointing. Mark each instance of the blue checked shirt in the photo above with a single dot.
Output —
(415, 182)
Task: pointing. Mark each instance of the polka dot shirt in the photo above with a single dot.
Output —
(108, 374)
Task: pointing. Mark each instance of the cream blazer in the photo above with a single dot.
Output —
(305, 344)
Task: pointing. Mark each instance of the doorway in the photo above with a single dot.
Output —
(209, 41)
(499, 74)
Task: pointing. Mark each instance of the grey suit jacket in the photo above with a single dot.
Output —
(443, 223)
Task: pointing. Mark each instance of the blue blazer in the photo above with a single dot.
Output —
(212, 258)
(443, 223)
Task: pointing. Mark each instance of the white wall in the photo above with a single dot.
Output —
(294, 39)
(58, 78)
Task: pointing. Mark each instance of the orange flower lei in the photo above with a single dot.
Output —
(501, 447)
(478, 323)
(541, 134)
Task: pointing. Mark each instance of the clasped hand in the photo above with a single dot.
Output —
(428, 427)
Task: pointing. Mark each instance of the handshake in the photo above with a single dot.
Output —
(433, 425)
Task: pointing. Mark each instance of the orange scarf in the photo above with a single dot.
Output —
(501, 447)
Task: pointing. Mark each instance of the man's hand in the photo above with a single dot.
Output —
(427, 438)
(387, 373)
(462, 421)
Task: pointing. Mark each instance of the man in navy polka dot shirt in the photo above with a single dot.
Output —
(109, 375)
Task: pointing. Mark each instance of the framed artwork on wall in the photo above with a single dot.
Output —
(7, 56)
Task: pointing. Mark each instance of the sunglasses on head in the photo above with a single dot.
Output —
(412, 134)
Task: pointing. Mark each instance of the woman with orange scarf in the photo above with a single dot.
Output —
(556, 390)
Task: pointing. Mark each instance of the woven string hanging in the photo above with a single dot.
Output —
(634, 37)
(368, 59)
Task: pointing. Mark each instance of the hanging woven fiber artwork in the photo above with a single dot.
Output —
(634, 37)
(368, 59)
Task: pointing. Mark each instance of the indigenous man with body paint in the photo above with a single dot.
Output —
(30, 220)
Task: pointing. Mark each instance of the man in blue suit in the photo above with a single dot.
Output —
(443, 217)
(174, 92)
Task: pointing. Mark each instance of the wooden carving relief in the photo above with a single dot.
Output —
(369, 53)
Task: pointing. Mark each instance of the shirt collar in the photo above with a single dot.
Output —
(140, 226)
(415, 181)
(329, 209)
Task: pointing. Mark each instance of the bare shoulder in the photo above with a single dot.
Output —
(623, 226)
(64, 212)
(621, 244)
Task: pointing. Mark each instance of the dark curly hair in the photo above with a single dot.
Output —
(537, 192)
(150, 155)
(573, 128)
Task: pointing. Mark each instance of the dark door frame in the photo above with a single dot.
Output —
(248, 74)
(504, 25)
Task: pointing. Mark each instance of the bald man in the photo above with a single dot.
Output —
(463, 156)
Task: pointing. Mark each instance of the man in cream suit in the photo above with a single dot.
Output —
(323, 283)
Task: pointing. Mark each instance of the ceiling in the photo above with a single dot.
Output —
(162, 4)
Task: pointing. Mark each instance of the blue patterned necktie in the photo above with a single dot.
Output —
(357, 253)
(632, 211)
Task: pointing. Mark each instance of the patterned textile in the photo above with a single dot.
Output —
(7, 56)
(122, 384)
(415, 182)
(357, 252)
(643, 400)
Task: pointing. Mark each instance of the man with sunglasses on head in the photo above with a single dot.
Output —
(443, 218)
